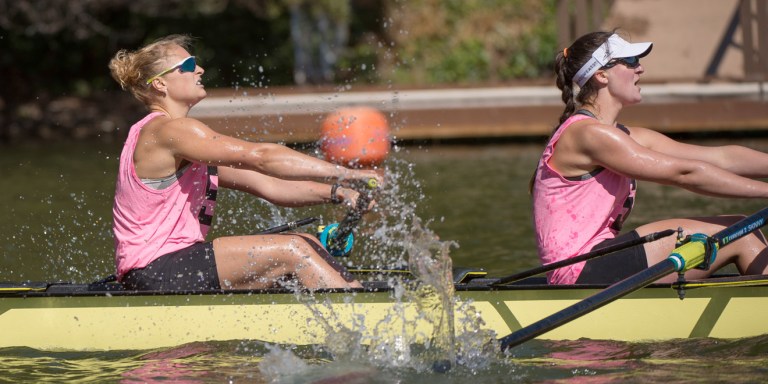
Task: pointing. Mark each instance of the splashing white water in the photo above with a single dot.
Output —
(394, 235)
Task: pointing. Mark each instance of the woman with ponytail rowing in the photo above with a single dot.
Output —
(584, 185)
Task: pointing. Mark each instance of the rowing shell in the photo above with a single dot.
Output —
(105, 317)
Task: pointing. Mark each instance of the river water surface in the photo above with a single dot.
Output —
(57, 198)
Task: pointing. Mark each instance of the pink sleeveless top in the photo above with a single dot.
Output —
(572, 215)
(149, 223)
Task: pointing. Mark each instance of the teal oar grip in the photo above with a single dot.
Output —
(329, 238)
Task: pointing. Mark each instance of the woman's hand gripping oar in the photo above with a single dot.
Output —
(338, 239)
(584, 257)
(700, 251)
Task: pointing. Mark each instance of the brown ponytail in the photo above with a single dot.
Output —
(567, 63)
(566, 66)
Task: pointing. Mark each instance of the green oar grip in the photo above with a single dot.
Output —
(699, 250)
(372, 183)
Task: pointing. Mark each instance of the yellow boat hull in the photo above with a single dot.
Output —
(82, 319)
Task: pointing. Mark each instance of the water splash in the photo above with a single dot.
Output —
(398, 341)
(430, 262)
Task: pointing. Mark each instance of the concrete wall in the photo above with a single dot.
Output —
(686, 35)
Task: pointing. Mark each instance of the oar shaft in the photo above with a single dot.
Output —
(589, 304)
(742, 228)
(287, 226)
(586, 256)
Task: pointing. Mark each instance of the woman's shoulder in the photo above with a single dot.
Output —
(588, 128)
(168, 131)
(584, 128)
(590, 137)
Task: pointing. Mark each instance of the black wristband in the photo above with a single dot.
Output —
(334, 197)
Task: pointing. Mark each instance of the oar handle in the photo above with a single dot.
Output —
(586, 256)
(366, 189)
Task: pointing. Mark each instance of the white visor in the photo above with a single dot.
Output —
(614, 48)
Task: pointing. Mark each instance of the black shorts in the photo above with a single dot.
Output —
(615, 266)
(191, 268)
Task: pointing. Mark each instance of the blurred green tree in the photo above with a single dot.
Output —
(54, 53)
(470, 41)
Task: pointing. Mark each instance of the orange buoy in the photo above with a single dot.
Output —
(355, 136)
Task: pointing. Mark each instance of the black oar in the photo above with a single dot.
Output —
(701, 249)
(287, 226)
(586, 256)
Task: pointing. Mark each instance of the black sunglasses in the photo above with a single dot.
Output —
(630, 62)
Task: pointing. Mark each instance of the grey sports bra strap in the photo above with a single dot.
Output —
(585, 113)
(592, 115)
(585, 176)
(165, 182)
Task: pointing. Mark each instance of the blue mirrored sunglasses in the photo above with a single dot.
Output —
(629, 62)
(187, 65)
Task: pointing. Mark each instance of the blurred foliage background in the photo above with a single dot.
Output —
(54, 80)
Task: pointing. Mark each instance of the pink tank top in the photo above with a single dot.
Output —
(149, 223)
(572, 215)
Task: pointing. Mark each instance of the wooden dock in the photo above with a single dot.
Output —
(471, 113)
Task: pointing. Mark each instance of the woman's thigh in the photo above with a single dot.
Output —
(261, 260)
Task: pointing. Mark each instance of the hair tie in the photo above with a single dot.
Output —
(565, 52)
